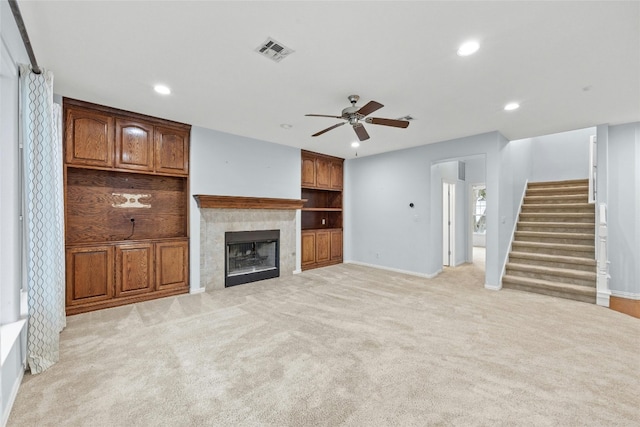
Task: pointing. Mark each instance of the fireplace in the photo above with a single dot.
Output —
(223, 214)
(251, 256)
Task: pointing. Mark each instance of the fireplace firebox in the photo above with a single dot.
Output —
(251, 256)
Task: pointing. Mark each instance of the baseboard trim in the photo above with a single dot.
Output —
(297, 271)
(197, 291)
(395, 270)
(12, 398)
(626, 305)
(493, 287)
(625, 295)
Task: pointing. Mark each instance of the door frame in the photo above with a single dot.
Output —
(448, 222)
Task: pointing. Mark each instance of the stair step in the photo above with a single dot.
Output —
(546, 287)
(561, 198)
(568, 182)
(555, 237)
(557, 261)
(569, 190)
(558, 217)
(555, 249)
(561, 227)
(561, 275)
(558, 207)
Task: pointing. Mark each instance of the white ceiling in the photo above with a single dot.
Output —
(569, 64)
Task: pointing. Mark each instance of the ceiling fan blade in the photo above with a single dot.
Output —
(328, 129)
(387, 122)
(323, 115)
(369, 108)
(361, 132)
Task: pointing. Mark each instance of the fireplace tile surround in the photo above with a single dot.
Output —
(216, 221)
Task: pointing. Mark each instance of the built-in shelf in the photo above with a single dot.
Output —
(306, 187)
(322, 209)
(235, 202)
(321, 186)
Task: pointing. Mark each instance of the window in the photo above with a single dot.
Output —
(479, 209)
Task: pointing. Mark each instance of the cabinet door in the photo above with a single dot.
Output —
(308, 240)
(336, 245)
(88, 138)
(323, 244)
(172, 265)
(323, 173)
(134, 145)
(336, 175)
(308, 172)
(171, 150)
(134, 269)
(89, 274)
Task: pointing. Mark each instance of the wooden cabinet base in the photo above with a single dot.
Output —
(321, 248)
(84, 308)
(320, 264)
(124, 272)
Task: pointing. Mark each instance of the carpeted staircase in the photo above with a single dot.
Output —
(553, 250)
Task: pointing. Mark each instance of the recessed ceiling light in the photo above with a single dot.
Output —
(286, 126)
(511, 106)
(162, 89)
(468, 48)
(355, 144)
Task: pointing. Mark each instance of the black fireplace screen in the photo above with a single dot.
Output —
(251, 256)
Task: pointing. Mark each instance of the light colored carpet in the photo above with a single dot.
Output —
(343, 345)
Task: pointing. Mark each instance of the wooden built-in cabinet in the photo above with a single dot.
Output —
(102, 137)
(134, 145)
(89, 274)
(321, 187)
(126, 207)
(134, 268)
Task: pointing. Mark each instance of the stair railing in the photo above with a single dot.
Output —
(602, 263)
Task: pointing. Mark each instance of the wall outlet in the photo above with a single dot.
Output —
(324, 221)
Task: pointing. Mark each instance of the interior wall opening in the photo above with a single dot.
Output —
(478, 205)
(454, 205)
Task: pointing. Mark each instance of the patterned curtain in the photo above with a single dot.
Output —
(44, 217)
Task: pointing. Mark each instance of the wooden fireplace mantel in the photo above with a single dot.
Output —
(234, 202)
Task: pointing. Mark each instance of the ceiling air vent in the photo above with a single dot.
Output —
(274, 50)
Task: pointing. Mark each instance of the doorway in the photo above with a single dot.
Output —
(448, 223)
(478, 205)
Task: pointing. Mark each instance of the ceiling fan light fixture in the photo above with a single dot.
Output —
(468, 48)
(355, 115)
(355, 144)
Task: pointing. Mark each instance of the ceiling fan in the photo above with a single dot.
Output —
(354, 114)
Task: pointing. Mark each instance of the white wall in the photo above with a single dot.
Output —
(12, 53)
(559, 156)
(623, 195)
(384, 231)
(231, 165)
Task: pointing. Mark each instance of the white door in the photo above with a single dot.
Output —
(448, 225)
